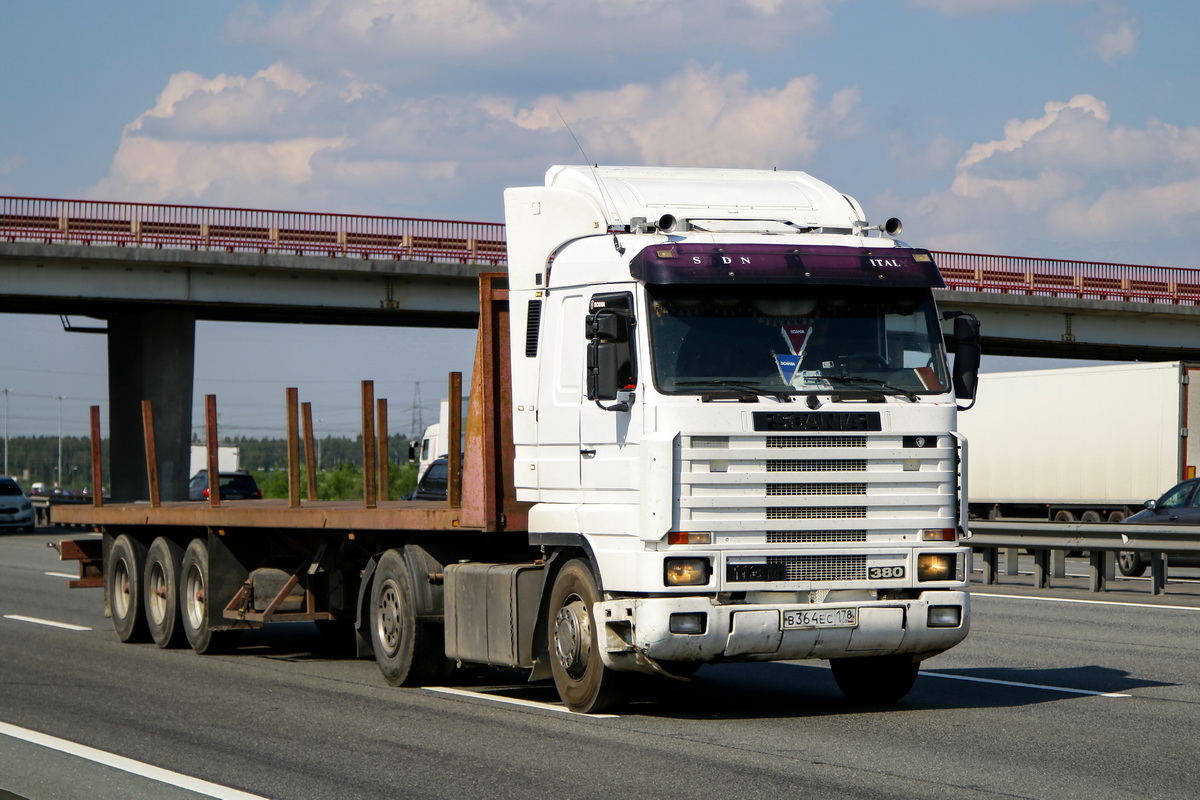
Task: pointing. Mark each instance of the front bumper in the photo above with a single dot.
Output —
(11, 518)
(636, 631)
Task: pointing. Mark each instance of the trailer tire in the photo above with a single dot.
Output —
(193, 603)
(123, 578)
(1131, 564)
(161, 593)
(875, 679)
(405, 649)
(583, 682)
(1063, 515)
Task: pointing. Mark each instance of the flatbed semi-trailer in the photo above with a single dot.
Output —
(711, 419)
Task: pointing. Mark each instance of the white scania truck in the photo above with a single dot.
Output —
(711, 420)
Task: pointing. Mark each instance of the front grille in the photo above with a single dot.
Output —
(817, 465)
(818, 512)
(807, 489)
(816, 441)
(710, 442)
(793, 537)
(822, 568)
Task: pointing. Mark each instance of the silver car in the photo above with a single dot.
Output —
(16, 512)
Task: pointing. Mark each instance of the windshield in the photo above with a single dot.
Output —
(788, 339)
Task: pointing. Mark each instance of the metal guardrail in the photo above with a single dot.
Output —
(1097, 538)
(52, 221)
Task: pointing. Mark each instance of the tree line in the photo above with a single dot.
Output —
(35, 459)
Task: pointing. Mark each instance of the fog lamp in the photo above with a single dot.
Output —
(935, 567)
(685, 571)
(692, 623)
(945, 616)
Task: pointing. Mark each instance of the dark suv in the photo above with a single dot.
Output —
(234, 486)
(433, 483)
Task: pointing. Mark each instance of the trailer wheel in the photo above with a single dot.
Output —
(875, 679)
(1116, 516)
(405, 650)
(123, 578)
(193, 603)
(1064, 515)
(161, 593)
(1131, 564)
(583, 682)
(1091, 516)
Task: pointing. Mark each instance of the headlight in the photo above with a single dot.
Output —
(685, 571)
(935, 567)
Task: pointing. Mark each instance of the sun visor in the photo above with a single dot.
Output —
(682, 263)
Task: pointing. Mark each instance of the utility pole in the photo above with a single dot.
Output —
(60, 398)
(7, 392)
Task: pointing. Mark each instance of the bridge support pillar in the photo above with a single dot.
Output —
(150, 357)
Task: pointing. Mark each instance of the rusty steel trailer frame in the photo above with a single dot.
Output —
(480, 496)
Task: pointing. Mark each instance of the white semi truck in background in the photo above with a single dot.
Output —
(711, 420)
(1059, 444)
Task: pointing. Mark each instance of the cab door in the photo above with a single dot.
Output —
(610, 422)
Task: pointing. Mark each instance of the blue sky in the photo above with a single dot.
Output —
(1054, 128)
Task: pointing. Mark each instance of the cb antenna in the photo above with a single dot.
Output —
(593, 165)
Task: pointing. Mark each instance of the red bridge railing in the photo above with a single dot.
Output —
(353, 235)
(1048, 277)
(249, 230)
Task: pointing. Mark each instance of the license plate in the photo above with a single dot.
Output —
(820, 618)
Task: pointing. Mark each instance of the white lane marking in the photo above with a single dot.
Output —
(36, 621)
(514, 701)
(927, 674)
(127, 764)
(62, 575)
(1087, 602)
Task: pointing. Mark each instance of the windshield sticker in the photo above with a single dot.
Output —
(797, 337)
(788, 364)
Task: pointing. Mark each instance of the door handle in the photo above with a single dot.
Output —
(587, 453)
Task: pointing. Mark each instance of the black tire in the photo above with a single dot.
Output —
(1116, 516)
(1131, 564)
(1091, 516)
(161, 593)
(123, 580)
(583, 682)
(1063, 515)
(406, 649)
(875, 679)
(193, 603)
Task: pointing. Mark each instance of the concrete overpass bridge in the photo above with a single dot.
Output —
(151, 271)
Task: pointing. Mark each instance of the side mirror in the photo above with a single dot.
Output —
(967, 355)
(609, 354)
(1151, 504)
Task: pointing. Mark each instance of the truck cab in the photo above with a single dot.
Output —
(734, 418)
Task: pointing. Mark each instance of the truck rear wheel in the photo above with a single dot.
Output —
(875, 679)
(405, 649)
(161, 592)
(583, 682)
(193, 603)
(123, 579)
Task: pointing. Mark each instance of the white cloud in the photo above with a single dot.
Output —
(1071, 177)
(235, 140)
(696, 117)
(415, 41)
(1113, 33)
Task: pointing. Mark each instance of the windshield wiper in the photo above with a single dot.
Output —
(783, 395)
(911, 395)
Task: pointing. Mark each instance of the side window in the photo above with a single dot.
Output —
(1178, 497)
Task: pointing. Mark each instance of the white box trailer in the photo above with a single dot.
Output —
(1081, 443)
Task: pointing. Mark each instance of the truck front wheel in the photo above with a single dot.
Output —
(583, 682)
(875, 679)
(405, 649)
(123, 579)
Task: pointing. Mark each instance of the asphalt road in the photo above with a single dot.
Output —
(1049, 697)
